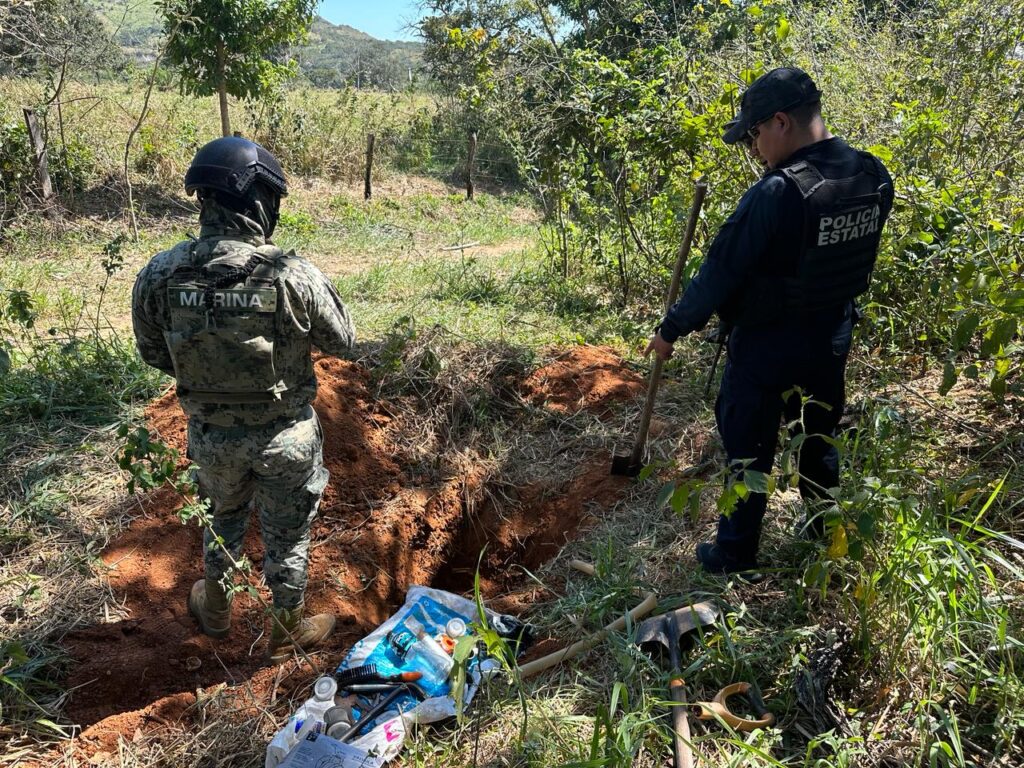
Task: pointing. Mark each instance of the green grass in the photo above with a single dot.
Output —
(933, 667)
(928, 584)
(507, 297)
(413, 225)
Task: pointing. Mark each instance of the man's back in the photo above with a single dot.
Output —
(307, 312)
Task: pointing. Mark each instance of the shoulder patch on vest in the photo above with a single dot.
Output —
(805, 176)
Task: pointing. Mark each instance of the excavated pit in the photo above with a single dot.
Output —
(383, 525)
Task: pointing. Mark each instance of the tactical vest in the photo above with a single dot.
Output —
(842, 229)
(224, 328)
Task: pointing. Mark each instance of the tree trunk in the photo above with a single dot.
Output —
(39, 151)
(222, 90)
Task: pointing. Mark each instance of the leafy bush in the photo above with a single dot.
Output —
(612, 126)
(69, 372)
(71, 166)
(16, 168)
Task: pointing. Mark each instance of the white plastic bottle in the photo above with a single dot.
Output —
(307, 718)
(429, 650)
(322, 699)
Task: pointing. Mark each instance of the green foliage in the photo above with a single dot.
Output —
(54, 38)
(613, 122)
(26, 671)
(150, 463)
(325, 135)
(333, 55)
(162, 149)
(71, 166)
(337, 56)
(16, 169)
(89, 379)
(229, 46)
(913, 562)
(71, 370)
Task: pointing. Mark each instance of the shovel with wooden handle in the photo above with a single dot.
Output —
(666, 631)
(630, 465)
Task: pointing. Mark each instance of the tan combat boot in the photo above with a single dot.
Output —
(211, 607)
(305, 633)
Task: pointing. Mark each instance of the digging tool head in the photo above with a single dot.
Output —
(626, 466)
(658, 630)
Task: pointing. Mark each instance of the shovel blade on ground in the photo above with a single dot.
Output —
(655, 630)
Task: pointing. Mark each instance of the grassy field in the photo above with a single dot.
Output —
(924, 619)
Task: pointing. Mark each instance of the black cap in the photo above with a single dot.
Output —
(780, 90)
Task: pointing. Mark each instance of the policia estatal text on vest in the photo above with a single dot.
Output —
(783, 273)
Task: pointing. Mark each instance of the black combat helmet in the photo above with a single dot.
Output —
(240, 175)
(232, 164)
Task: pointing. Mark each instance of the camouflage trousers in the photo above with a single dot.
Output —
(276, 468)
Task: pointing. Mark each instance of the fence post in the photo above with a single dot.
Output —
(367, 189)
(39, 149)
(469, 165)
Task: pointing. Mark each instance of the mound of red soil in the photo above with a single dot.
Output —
(378, 531)
(584, 377)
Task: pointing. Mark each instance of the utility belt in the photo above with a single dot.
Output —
(276, 424)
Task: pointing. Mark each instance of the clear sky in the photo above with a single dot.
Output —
(383, 19)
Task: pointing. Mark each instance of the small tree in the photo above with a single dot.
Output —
(56, 38)
(233, 46)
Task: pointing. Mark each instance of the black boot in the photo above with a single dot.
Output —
(714, 559)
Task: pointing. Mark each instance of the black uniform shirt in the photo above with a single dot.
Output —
(761, 237)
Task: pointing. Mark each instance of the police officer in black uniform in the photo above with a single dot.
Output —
(783, 273)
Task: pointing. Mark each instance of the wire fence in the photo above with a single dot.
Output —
(317, 134)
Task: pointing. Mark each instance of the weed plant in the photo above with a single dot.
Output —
(915, 594)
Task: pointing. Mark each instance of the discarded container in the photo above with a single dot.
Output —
(429, 651)
(446, 643)
(401, 640)
(324, 688)
(338, 720)
(308, 719)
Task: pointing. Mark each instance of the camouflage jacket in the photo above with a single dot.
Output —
(309, 313)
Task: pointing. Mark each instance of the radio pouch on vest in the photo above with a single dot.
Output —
(224, 328)
(842, 229)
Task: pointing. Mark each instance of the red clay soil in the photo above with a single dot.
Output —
(584, 377)
(378, 532)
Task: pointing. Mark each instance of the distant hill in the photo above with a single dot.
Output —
(134, 24)
(335, 54)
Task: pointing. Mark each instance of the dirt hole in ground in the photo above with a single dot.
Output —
(383, 525)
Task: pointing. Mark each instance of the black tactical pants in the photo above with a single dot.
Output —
(764, 365)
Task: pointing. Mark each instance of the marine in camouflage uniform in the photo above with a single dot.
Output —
(233, 318)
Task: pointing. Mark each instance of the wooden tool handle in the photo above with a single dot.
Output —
(673, 292)
(645, 417)
(583, 567)
(546, 662)
(680, 725)
(684, 251)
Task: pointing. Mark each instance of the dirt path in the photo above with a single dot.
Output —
(379, 531)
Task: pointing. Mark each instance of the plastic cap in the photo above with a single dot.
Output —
(455, 628)
(324, 688)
